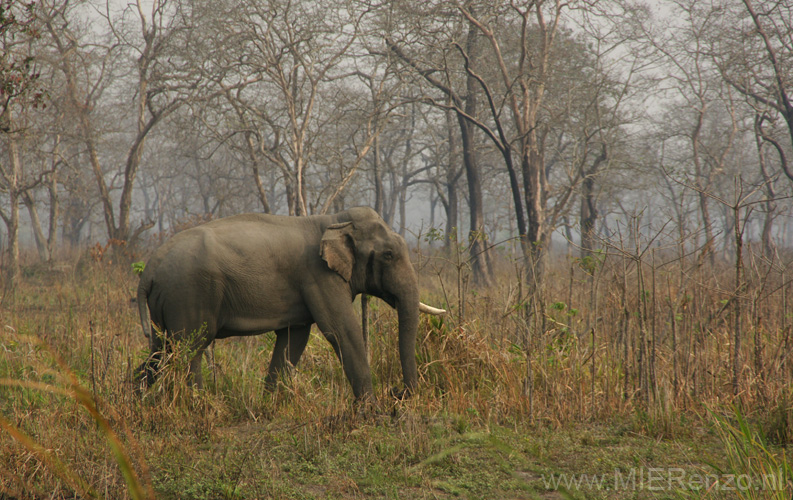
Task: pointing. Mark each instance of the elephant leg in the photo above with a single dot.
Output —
(146, 374)
(352, 354)
(191, 340)
(195, 377)
(179, 329)
(333, 312)
(289, 346)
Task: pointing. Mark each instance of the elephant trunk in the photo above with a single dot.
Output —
(408, 313)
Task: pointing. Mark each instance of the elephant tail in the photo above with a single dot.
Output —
(144, 287)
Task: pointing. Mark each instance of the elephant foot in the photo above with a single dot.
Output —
(145, 376)
(362, 411)
(400, 394)
(365, 407)
(271, 383)
(277, 376)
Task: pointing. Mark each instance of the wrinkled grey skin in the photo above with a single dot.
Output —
(254, 273)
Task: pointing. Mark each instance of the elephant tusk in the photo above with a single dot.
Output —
(431, 310)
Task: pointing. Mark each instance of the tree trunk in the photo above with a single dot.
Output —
(453, 172)
(99, 175)
(52, 234)
(433, 206)
(389, 211)
(736, 334)
(290, 194)
(403, 185)
(12, 228)
(11, 180)
(75, 218)
(482, 270)
(769, 248)
(300, 193)
(477, 243)
(702, 188)
(38, 233)
(260, 189)
(402, 210)
(123, 231)
(589, 215)
(534, 187)
(257, 179)
(378, 180)
(452, 207)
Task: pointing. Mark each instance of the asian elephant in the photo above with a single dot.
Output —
(253, 273)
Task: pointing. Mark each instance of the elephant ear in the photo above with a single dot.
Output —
(336, 248)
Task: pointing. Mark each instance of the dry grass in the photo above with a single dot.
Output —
(643, 341)
(618, 334)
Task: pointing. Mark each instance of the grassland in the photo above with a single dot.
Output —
(614, 380)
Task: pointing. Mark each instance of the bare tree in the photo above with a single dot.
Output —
(752, 47)
(293, 54)
(155, 40)
(20, 100)
(683, 48)
(463, 101)
(525, 74)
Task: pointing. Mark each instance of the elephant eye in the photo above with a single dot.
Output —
(388, 255)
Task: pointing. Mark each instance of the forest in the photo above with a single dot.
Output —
(598, 192)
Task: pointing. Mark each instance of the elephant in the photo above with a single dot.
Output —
(253, 273)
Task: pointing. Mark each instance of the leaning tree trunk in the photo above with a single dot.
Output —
(589, 213)
(453, 173)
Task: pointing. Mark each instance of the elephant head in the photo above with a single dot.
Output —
(375, 260)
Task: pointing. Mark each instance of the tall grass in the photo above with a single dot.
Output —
(638, 335)
(67, 385)
(754, 470)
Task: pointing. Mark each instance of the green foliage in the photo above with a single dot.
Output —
(138, 267)
(559, 311)
(438, 324)
(477, 236)
(590, 264)
(562, 345)
(563, 340)
(434, 235)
